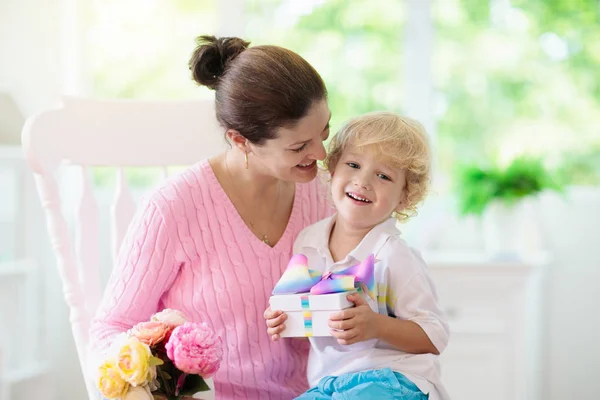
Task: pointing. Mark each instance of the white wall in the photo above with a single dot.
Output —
(30, 53)
(30, 70)
(571, 228)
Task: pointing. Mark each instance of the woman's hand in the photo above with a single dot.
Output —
(275, 322)
(354, 324)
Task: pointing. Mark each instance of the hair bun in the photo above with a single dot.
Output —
(210, 58)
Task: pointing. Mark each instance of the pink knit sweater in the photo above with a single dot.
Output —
(188, 249)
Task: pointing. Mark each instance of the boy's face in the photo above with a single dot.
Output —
(366, 190)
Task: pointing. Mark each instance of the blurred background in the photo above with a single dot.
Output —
(493, 81)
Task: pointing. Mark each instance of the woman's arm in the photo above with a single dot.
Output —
(145, 269)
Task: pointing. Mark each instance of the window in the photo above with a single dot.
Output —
(518, 76)
(508, 76)
(356, 47)
(140, 48)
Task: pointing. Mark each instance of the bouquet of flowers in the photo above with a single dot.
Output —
(164, 358)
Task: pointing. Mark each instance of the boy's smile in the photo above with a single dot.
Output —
(358, 197)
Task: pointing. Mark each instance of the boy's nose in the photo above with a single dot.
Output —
(363, 183)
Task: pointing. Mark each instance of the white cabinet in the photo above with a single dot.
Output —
(493, 309)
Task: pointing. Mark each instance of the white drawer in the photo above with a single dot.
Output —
(477, 304)
(476, 366)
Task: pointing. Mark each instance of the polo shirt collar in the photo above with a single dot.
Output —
(370, 244)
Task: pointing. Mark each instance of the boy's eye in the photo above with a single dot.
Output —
(299, 149)
(353, 165)
(384, 177)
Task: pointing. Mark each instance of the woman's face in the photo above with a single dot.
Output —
(293, 155)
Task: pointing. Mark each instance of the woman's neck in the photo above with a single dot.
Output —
(247, 181)
(344, 238)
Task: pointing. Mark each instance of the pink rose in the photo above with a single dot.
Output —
(150, 333)
(195, 349)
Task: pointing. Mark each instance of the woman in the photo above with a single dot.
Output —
(213, 241)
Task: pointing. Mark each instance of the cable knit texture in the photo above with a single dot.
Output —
(188, 249)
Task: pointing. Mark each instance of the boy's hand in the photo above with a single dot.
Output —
(275, 323)
(354, 324)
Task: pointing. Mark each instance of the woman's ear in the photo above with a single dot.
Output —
(236, 139)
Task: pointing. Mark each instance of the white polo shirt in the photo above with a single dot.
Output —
(403, 290)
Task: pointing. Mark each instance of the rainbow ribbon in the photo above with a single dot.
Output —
(307, 315)
(298, 278)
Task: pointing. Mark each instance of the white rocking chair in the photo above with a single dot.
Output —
(119, 133)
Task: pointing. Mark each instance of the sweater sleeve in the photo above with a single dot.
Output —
(145, 269)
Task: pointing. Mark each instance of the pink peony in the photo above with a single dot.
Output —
(195, 349)
(151, 332)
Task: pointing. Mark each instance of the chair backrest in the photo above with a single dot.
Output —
(119, 133)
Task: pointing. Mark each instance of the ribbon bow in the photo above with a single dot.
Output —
(298, 278)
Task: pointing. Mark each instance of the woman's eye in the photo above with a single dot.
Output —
(299, 149)
(353, 165)
(384, 177)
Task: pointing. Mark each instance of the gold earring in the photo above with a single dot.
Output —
(246, 159)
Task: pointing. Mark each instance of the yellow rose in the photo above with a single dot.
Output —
(109, 381)
(133, 361)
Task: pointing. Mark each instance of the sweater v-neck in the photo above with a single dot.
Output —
(283, 242)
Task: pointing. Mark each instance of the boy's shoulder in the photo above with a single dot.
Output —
(397, 252)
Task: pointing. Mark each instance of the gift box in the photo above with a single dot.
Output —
(309, 297)
(308, 314)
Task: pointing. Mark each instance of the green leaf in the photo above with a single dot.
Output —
(194, 384)
(154, 361)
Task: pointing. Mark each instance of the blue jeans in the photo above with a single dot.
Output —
(380, 384)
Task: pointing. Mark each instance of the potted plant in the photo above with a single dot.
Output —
(498, 195)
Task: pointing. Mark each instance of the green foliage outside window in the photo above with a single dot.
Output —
(518, 77)
(512, 77)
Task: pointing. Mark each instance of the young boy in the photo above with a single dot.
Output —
(386, 348)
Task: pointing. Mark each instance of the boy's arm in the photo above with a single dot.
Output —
(405, 335)
(361, 323)
(419, 322)
(407, 294)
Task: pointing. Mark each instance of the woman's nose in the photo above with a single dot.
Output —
(319, 152)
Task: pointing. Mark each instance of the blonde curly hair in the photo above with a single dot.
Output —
(399, 141)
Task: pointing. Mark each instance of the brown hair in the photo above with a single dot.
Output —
(397, 140)
(258, 89)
